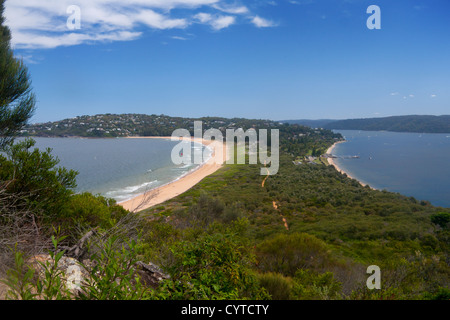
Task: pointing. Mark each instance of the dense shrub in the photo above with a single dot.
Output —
(213, 266)
(278, 286)
(110, 275)
(87, 211)
(286, 253)
(442, 219)
(311, 285)
(35, 176)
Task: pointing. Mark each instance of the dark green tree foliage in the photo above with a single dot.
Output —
(17, 101)
(286, 253)
(212, 267)
(5, 34)
(88, 211)
(33, 175)
(413, 123)
(442, 219)
(336, 229)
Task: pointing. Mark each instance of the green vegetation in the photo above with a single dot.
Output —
(225, 238)
(110, 278)
(214, 265)
(17, 101)
(413, 123)
(307, 232)
(33, 174)
(124, 125)
(336, 229)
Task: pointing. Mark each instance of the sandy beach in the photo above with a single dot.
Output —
(177, 187)
(333, 163)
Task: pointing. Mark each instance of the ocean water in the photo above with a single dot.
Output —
(412, 164)
(118, 168)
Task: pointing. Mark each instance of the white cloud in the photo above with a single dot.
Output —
(159, 21)
(299, 2)
(216, 22)
(179, 38)
(433, 96)
(222, 22)
(43, 23)
(262, 23)
(29, 59)
(203, 17)
(33, 41)
(232, 9)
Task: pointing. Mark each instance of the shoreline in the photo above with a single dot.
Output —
(182, 184)
(334, 164)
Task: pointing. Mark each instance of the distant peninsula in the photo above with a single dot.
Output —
(128, 125)
(408, 123)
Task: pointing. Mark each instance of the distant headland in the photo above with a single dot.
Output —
(408, 123)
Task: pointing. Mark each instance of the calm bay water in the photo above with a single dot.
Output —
(117, 168)
(412, 164)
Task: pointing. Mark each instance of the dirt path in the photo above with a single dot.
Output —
(274, 203)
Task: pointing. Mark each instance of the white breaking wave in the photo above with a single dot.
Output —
(127, 192)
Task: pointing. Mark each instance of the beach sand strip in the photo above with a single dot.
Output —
(334, 164)
(170, 190)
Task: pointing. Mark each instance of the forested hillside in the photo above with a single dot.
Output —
(413, 123)
(310, 123)
(122, 125)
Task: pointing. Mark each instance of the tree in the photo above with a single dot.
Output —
(441, 218)
(34, 175)
(17, 101)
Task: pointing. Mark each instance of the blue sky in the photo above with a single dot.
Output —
(304, 59)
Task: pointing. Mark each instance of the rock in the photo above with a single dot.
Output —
(151, 274)
(72, 271)
(74, 274)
